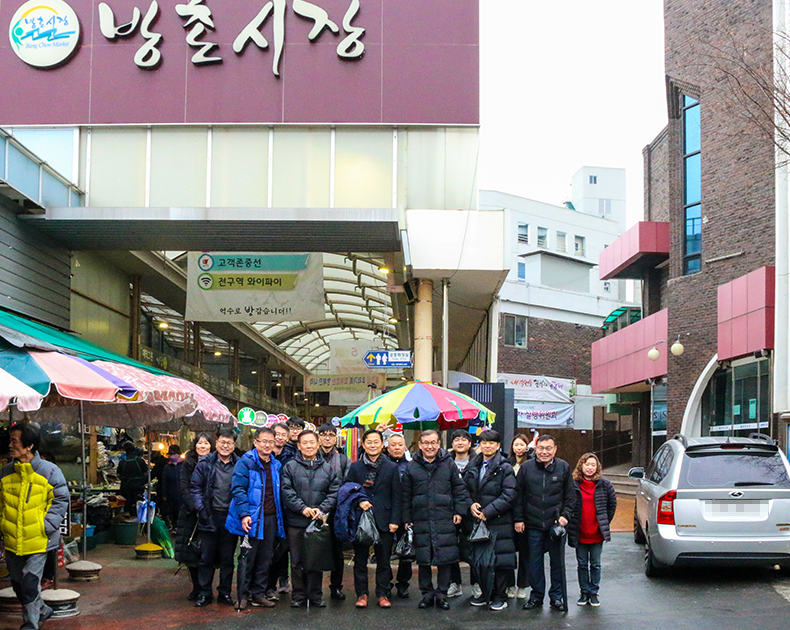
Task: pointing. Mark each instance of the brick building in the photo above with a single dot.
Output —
(702, 357)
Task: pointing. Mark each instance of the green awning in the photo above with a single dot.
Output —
(49, 336)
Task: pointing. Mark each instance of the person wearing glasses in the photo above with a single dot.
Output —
(545, 495)
(210, 486)
(256, 511)
(434, 500)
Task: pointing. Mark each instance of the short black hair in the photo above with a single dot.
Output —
(295, 421)
(327, 427)
(461, 433)
(174, 449)
(306, 432)
(259, 432)
(226, 433)
(545, 437)
(129, 448)
(429, 432)
(28, 435)
(489, 435)
(372, 432)
(280, 425)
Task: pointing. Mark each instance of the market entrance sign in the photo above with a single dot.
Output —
(44, 33)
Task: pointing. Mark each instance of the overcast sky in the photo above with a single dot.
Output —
(568, 84)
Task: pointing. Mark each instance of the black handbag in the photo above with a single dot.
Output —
(480, 533)
(194, 541)
(318, 547)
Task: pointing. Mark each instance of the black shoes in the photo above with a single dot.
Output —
(403, 591)
(442, 603)
(320, 603)
(297, 603)
(478, 601)
(426, 602)
(532, 603)
(557, 604)
(193, 596)
(337, 594)
(225, 599)
(203, 600)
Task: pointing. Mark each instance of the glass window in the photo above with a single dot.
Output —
(363, 168)
(593, 179)
(523, 233)
(693, 179)
(240, 167)
(543, 237)
(578, 243)
(691, 129)
(692, 186)
(178, 167)
(562, 242)
(737, 468)
(516, 331)
(522, 271)
(692, 265)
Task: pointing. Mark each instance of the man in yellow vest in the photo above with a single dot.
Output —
(33, 501)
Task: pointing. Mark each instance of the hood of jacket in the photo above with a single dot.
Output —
(312, 463)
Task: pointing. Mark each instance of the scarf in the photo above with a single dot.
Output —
(373, 470)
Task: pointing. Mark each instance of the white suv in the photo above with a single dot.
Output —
(714, 501)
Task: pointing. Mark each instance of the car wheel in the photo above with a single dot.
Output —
(639, 535)
(651, 568)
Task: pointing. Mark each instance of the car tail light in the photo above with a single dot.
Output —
(666, 509)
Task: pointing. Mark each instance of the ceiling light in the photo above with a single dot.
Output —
(163, 325)
(217, 353)
(384, 270)
(393, 320)
(254, 372)
(279, 385)
(317, 405)
(653, 354)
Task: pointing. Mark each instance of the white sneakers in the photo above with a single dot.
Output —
(522, 593)
(455, 590)
(477, 591)
(511, 592)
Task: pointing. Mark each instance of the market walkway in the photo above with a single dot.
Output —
(147, 595)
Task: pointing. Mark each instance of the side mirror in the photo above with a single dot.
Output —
(637, 473)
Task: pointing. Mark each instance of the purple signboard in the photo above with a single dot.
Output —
(247, 61)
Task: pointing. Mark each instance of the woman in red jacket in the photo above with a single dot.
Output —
(596, 503)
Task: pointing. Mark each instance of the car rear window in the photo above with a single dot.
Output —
(733, 470)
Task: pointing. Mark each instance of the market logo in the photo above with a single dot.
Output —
(44, 33)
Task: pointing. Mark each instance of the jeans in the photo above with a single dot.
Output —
(588, 558)
(259, 558)
(25, 573)
(383, 567)
(425, 577)
(217, 548)
(539, 542)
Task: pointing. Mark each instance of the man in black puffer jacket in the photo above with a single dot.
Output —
(434, 500)
(309, 491)
(491, 483)
(545, 496)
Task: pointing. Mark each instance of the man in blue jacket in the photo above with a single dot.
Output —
(256, 511)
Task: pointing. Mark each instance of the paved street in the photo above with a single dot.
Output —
(148, 595)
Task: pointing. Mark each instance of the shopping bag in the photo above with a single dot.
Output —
(160, 536)
(405, 547)
(318, 547)
(367, 532)
(479, 533)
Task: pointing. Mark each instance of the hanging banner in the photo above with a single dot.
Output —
(544, 414)
(254, 287)
(347, 357)
(356, 383)
(539, 388)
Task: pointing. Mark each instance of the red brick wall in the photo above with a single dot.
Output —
(554, 348)
(737, 176)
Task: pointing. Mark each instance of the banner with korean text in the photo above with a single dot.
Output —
(254, 287)
(531, 414)
(539, 388)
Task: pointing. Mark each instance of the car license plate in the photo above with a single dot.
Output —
(735, 510)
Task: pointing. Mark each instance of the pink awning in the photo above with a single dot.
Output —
(12, 389)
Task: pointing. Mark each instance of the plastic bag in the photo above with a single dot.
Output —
(161, 537)
(405, 547)
(71, 552)
(479, 533)
(318, 547)
(367, 532)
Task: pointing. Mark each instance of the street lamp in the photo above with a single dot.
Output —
(676, 349)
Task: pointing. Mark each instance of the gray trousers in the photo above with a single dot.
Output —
(25, 573)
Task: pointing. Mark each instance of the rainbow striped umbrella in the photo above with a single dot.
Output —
(423, 403)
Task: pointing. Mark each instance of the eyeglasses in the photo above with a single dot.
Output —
(225, 443)
(265, 442)
(545, 449)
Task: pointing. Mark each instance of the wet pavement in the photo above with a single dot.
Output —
(150, 595)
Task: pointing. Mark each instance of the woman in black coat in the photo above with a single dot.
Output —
(185, 553)
(381, 480)
(521, 450)
(588, 528)
(492, 485)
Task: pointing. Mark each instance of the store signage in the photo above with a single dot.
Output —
(45, 33)
(388, 359)
(344, 382)
(246, 415)
(539, 388)
(544, 414)
(254, 287)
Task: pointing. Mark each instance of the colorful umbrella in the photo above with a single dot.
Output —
(418, 402)
(12, 389)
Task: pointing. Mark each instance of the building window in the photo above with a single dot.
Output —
(593, 179)
(543, 237)
(516, 331)
(607, 286)
(578, 245)
(523, 233)
(562, 242)
(692, 187)
(522, 271)
(604, 207)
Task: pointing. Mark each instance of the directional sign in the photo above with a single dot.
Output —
(388, 359)
(246, 415)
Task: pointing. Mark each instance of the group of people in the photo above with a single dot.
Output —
(294, 477)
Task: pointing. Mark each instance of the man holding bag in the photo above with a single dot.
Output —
(381, 481)
(492, 485)
(309, 492)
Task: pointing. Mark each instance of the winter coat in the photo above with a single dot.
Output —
(287, 454)
(34, 499)
(348, 511)
(308, 484)
(605, 505)
(386, 493)
(433, 492)
(169, 489)
(401, 463)
(544, 492)
(202, 489)
(187, 518)
(249, 488)
(338, 462)
(496, 494)
(133, 474)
